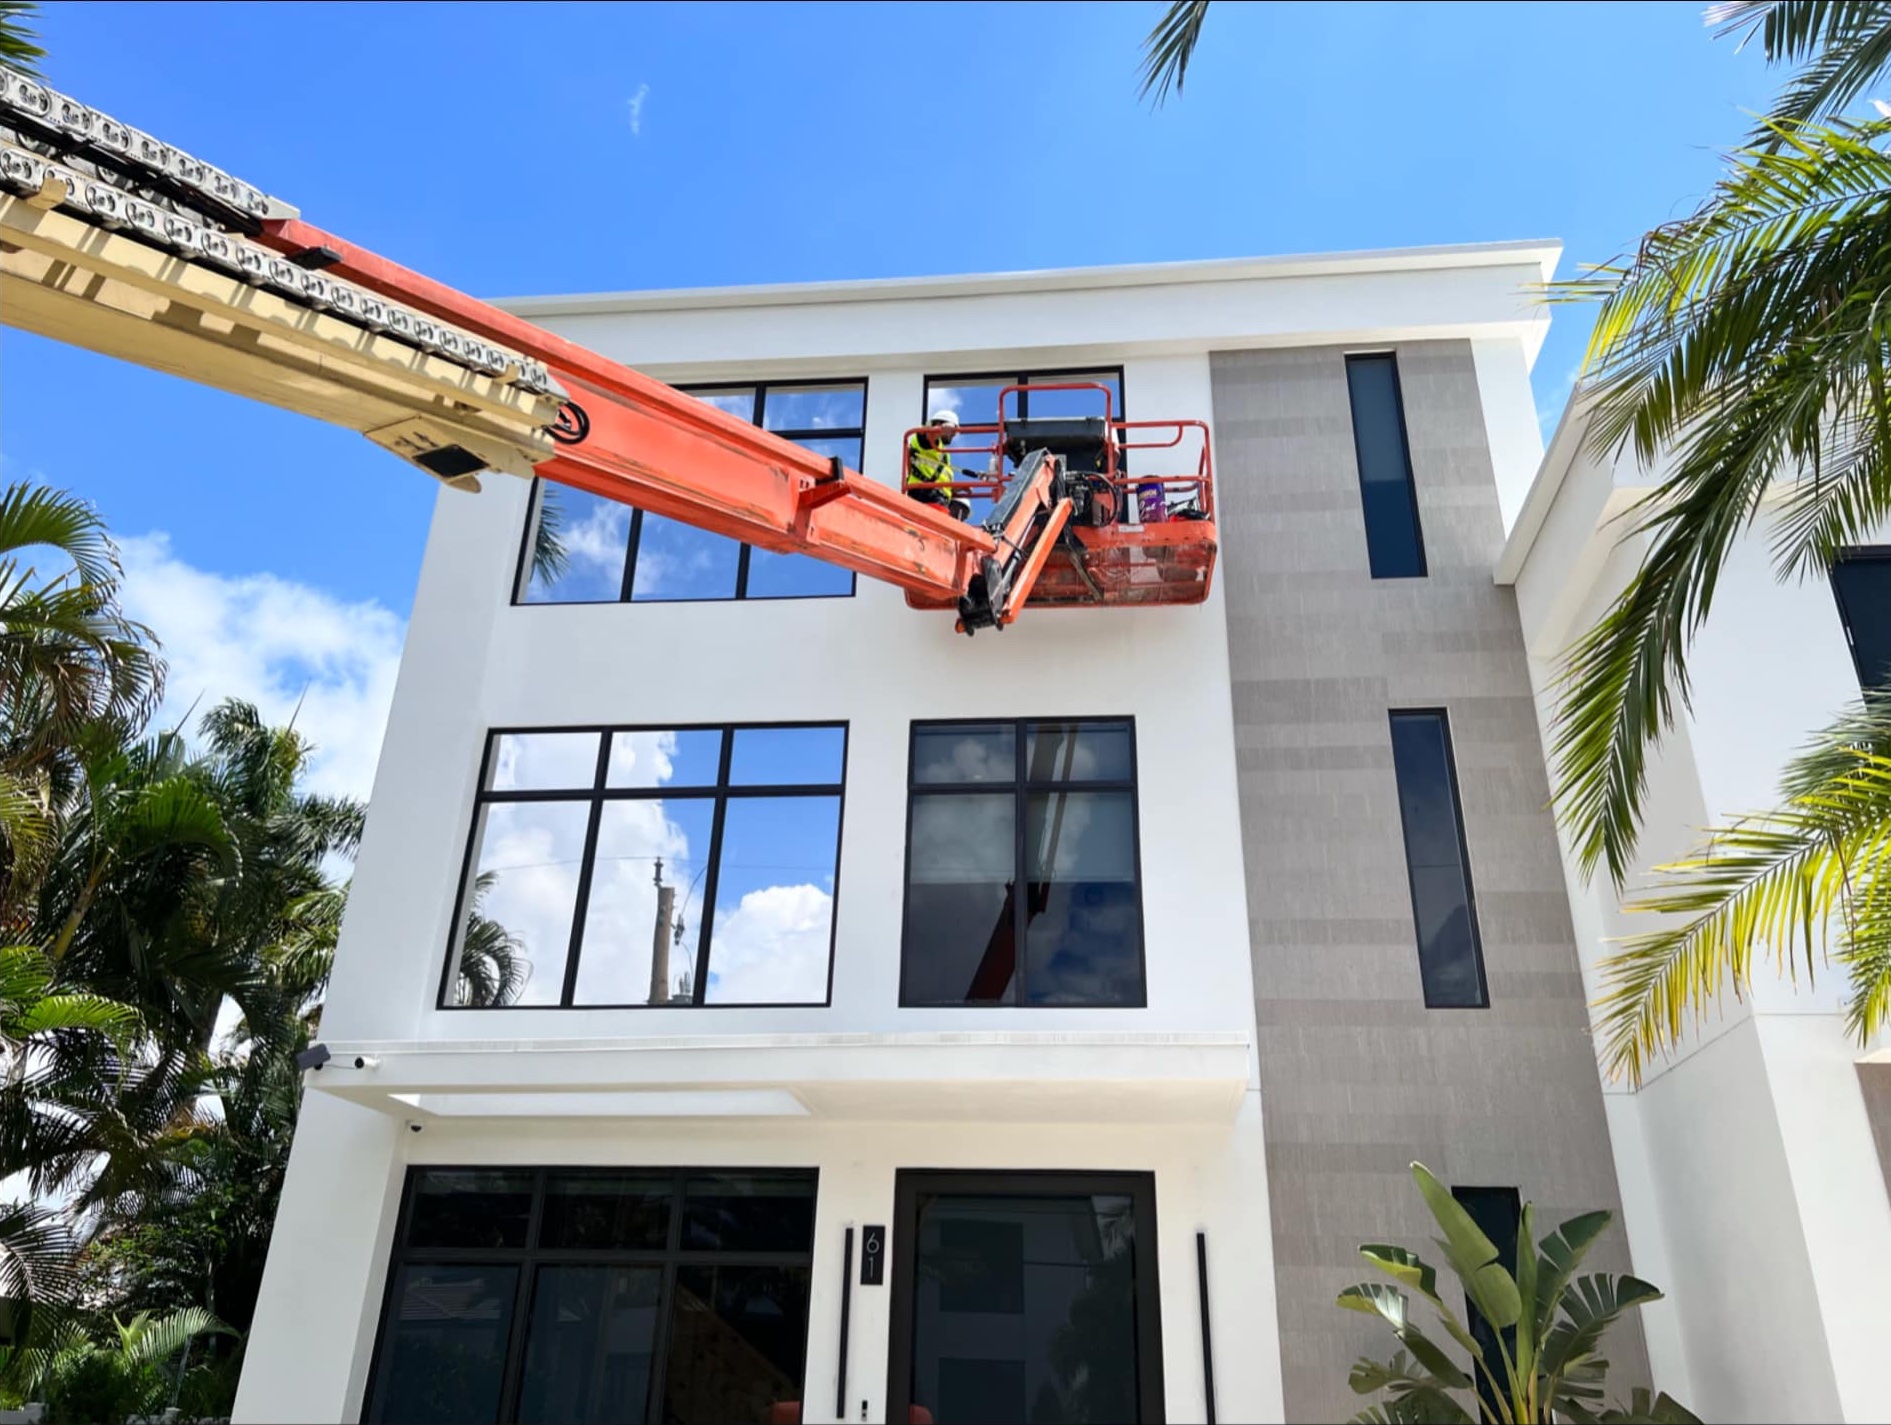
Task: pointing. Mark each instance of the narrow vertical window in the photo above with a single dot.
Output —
(1862, 581)
(1450, 960)
(1498, 1212)
(1395, 548)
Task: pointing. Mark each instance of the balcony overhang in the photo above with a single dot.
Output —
(1100, 1077)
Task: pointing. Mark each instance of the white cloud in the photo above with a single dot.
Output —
(636, 109)
(773, 948)
(294, 650)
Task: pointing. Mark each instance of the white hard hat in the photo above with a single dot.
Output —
(946, 418)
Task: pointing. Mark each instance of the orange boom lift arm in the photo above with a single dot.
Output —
(113, 240)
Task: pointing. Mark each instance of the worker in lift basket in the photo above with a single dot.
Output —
(929, 465)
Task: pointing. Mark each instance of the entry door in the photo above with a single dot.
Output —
(1024, 1297)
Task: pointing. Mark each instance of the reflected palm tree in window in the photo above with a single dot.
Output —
(549, 557)
(493, 969)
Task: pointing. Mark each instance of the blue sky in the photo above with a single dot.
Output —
(510, 149)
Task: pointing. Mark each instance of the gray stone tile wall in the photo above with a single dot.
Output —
(1358, 1078)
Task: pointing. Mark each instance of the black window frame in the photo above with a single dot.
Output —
(523, 577)
(1049, 376)
(1391, 357)
(910, 1185)
(1848, 617)
(1022, 788)
(528, 1258)
(598, 795)
(1464, 856)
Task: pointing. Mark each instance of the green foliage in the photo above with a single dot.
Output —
(18, 43)
(1550, 1324)
(1742, 351)
(133, 1370)
(1808, 881)
(550, 558)
(1169, 47)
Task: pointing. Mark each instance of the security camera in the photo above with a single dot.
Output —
(313, 1057)
(367, 1061)
(414, 1126)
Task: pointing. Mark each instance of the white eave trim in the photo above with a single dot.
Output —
(1542, 254)
(1572, 429)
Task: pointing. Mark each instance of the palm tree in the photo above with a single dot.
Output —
(72, 666)
(1169, 47)
(1744, 346)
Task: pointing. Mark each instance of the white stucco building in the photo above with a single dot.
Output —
(758, 1002)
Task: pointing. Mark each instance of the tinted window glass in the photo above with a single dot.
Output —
(610, 1310)
(966, 752)
(1862, 580)
(616, 1211)
(816, 408)
(589, 1345)
(679, 561)
(961, 928)
(1024, 1307)
(1017, 892)
(1393, 544)
(738, 1338)
(745, 1212)
(470, 1209)
(443, 1349)
(686, 877)
(1451, 961)
(1083, 937)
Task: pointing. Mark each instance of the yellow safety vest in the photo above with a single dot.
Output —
(930, 464)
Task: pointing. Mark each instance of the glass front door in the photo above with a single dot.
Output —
(1025, 1297)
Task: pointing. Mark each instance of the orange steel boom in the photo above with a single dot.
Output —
(640, 442)
(119, 242)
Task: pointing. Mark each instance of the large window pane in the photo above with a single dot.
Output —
(1079, 752)
(1451, 962)
(787, 756)
(1394, 547)
(1025, 1309)
(544, 761)
(588, 1352)
(774, 901)
(690, 758)
(1041, 403)
(620, 923)
(515, 919)
(698, 839)
(678, 561)
(737, 1341)
(608, 1211)
(961, 931)
(576, 549)
(816, 407)
(471, 1208)
(748, 1212)
(443, 1351)
(1083, 935)
(966, 752)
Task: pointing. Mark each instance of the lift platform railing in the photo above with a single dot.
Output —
(1130, 498)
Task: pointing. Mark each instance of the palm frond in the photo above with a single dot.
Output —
(1789, 882)
(18, 49)
(1169, 47)
(1841, 46)
(1745, 347)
